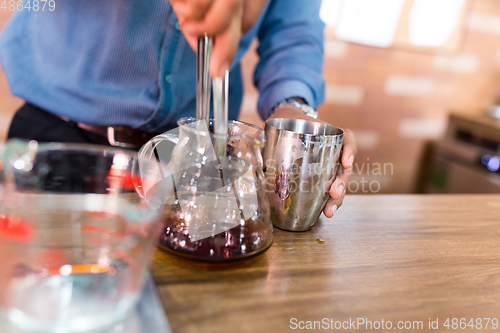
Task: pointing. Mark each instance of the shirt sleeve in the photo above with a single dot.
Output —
(291, 54)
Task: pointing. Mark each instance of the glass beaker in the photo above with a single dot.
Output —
(213, 185)
(75, 238)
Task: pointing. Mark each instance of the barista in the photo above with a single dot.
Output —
(109, 72)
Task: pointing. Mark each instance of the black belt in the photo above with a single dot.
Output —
(120, 136)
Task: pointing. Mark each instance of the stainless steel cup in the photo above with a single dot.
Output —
(301, 162)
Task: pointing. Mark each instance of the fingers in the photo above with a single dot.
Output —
(190, 38)
(332, 205)
(224, 50)
(223, 21)
(350, 149)
(337, 194)
(217, 19)
(339, 186)
(330, 208)
(348, 155)
(194, 10)
(226, 45)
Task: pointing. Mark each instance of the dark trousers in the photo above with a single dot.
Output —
(33, 123)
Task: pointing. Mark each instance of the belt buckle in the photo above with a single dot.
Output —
(114, 142)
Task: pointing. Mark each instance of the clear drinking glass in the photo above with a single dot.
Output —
(75, 238)
(213, 189)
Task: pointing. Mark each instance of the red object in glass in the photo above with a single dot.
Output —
(16, 229)
(127, 180)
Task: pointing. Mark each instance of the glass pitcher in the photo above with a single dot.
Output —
(213, 185)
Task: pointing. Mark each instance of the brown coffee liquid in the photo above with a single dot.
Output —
(241, 241)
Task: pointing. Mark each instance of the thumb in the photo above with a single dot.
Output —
(225, 47)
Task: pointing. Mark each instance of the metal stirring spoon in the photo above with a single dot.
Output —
(221, 113)
(205, 44)
(220, 94)
(220, 103)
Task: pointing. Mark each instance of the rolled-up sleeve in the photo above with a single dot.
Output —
(291, 54)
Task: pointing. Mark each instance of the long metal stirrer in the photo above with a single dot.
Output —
(220, 102)
(205, 44)
(221, 113)
(221, 89)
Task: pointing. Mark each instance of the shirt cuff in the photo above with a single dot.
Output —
(281, 91)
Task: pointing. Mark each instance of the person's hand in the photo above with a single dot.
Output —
(225, 20)
(339, 186)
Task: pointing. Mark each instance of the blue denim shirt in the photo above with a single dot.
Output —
(126, 62)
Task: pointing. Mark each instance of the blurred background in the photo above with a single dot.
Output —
(396, 71)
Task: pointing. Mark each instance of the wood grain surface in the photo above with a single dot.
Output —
(391, 257)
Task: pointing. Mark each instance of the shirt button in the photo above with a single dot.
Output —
(168, 78)
(177, 26)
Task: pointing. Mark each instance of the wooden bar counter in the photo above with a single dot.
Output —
(397, 258)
